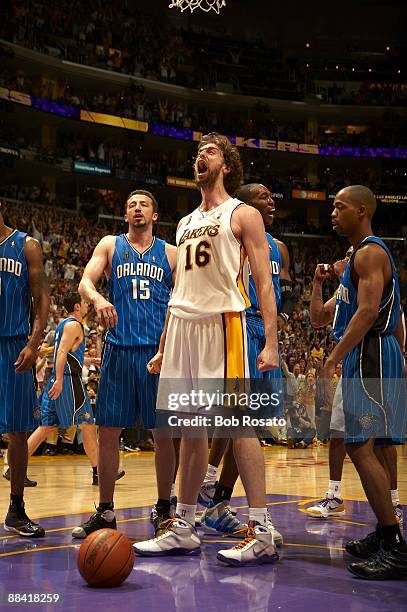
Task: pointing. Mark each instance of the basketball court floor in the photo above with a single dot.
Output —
(310, 575)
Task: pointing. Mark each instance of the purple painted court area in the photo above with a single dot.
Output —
(310, 575)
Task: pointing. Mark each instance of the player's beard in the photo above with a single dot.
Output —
(209, 180)
(140, 224)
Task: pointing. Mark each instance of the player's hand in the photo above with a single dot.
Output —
(339, 267)
(154, 365)
(328, 370)
(323, 382)
(55, 390)
(106, 312)
(268, 359)
(322, 272)
(26, 359)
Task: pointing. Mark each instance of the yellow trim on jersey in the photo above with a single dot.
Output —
(239, 280)
(235, 346)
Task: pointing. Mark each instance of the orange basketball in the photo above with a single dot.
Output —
(105, 558)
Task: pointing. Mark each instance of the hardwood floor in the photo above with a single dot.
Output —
(64, 483)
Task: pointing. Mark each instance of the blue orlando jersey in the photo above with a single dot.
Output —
(347, 303)
(275, 267)
(75, 360)
(15, 292)
(139, 287)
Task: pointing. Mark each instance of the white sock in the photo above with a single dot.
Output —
(335, 488)
(259, 515)
(211, 473)
(173, 492)
(186, 512)
(395, 496)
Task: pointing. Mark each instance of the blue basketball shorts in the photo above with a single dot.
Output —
(19, 410)
(126, 390)
(270, 382)
(72, 407)
(374, 391)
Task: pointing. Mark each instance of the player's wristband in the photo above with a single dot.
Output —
(287, 299)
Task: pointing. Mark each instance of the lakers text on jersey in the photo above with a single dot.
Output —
(212, 272)
(206, 341)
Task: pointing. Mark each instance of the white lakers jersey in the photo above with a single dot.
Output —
(212, 272)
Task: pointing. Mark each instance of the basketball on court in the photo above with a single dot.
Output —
(105, 558)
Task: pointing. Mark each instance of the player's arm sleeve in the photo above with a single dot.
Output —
(287, 299)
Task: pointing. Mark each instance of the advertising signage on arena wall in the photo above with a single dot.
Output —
(390, 198)
(113, 120)
(73, 112)
(174, 181)
(387, 198)
(5, 150)
(302, 194)
(92, 168)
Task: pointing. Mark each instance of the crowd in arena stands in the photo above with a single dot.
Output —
(68, 240)
(134, 103)
(257, 166)
(117, 40)
(369, 94)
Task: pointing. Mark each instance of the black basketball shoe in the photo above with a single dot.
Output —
(18, 522)
(27, 481)
(389, 563)
(99, 520)
(365, 548)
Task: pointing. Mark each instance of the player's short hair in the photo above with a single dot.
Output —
(231, 155)
(70, 300)
(145, 193)
(244, 194)
(359, 194)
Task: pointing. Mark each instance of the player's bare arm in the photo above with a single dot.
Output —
(285, 260)
(40, 293)
(171, 252)
(71, 336)
(321, 313)
(154, 365)
(400, 334)
(248, 227)
(372, 268)
(99, 264)
(286, 285)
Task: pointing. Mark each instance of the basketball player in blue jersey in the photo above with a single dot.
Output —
(65, 401)
(321, 314)
(367, 324)
(206, 346)
(139, 269)
(218, 517)
(23, 285)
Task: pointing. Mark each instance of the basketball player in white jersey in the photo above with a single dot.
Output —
(206, 339)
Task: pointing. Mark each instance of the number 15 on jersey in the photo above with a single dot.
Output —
(141, 289)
